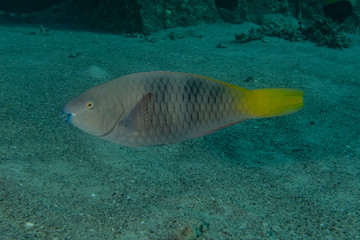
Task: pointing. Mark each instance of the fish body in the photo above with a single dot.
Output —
(156, 108)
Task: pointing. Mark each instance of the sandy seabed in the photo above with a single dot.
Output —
(291, 177)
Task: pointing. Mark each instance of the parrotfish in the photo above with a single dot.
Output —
(157, 108)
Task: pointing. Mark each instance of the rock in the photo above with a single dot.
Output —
(147, 16)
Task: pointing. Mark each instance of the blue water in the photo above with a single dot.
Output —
(290, 177)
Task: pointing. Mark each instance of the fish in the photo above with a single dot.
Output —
(162, 107)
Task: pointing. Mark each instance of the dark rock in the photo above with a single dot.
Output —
(114, 15)
(146, 16)
(338, 11)
(26, 6)
(230, 5)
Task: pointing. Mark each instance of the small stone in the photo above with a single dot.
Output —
(203, 228)
(29, 225)
(167, 13)
(222, 45)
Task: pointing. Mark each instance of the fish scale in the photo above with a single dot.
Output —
(155, 108)
(197, 109)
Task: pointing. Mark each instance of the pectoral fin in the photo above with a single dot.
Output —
(139, 117)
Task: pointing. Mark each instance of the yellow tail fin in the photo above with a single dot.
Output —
(273, 102)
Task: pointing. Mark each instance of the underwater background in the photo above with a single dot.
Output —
(291, 177)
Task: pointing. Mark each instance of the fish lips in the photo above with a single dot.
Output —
(67, 115)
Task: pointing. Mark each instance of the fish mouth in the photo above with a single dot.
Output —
(68, 116)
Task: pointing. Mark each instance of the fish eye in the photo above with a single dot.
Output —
(90, 105)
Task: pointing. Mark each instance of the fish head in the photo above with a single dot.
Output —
(93, 112)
